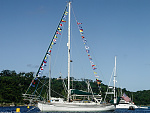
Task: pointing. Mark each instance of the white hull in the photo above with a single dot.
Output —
(126, 106)
(74, 107)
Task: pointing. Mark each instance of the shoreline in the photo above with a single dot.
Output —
(12, 104)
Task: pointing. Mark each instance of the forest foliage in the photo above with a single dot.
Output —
(13, 85)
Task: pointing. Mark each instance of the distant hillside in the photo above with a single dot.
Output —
(13, 85)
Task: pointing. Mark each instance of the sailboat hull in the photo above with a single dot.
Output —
(74, 107)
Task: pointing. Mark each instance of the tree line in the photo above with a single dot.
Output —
(13, 85)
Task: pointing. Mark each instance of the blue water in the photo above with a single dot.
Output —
(24, 109)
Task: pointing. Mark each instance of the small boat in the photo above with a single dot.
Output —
(126, 103)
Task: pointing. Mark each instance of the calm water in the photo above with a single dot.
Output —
(24, 109)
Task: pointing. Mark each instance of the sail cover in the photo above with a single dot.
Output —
(79, 92)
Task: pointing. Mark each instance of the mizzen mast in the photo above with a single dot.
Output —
(115, 101)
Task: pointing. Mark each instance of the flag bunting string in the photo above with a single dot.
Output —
(53, 42)
(87, 48)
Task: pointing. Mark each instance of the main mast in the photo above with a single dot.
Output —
(68, 44)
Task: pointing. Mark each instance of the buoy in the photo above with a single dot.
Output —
(28, 107)
(131, 108)
(17, 109)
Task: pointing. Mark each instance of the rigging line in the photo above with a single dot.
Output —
(51, 41)
(29, 87)
(39, 95)
(75, 43)
(78, 58)
(63, 82)
(51, 89)
(88, 44)
(71, 53)
(36, 88)
(43, 84)
(42, 87)
(36, 98)
(58, 48)
(74, 14)
(109, 83)
(58, 93)
(47, 50)
(78, 26)
(77, 53)
(97, 63)
(99, 68)
(64, 86)
(46, 94)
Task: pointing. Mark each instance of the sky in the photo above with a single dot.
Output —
(112, 28)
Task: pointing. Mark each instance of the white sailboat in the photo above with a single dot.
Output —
(120, 102)
(58, 104)
(72, 104)
(123, 102)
